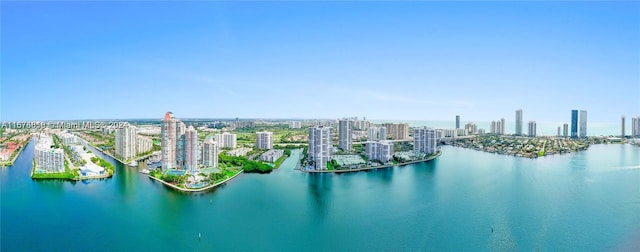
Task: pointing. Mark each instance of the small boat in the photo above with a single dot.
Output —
(133, 163)
(199, 236)
(144, 171)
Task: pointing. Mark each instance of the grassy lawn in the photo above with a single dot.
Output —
(278, 162)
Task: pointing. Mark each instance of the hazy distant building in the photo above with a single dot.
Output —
(397, 131)
(209, 153)
(559, 132)
(635, 126)
(68, 138)
(344, 134)
(424, 140)
(457, 122)
(471, 128)
(226, 140)
(126, 142)
(497, 127)
(295, 124)
(574, 123)
(493, 127)
(532, 129)
(191, 150)
(565, 130)
(48, 159)
(622, 132)
(382, 133)
(373, 134)
(264, 140)
(319, 151)
(519, 122)
(583, 123)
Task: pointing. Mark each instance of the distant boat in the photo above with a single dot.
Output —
(144, 171)
(199, 235)
(133, 163)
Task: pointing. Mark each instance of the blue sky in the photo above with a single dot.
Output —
(382, 60)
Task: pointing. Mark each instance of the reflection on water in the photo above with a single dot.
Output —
(319, 187)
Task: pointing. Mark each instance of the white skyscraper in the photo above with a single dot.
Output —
(565, 130)
(382, 133)
(502, 125)
(381, 151)
(635, 126)
(226, 140)
(519, 122)
(264, 140)
(319, 151)
(532, 129)
(209, 153)
(424, 140)
(126, 142)
(373, 134)
(48, 159)
(583, 123)
(143, 144)
(344, 134)
(191, 150)
(622, 133)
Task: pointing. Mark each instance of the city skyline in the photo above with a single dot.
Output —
(239, 56)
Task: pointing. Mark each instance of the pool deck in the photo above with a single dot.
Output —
(195, 190)
(372, 167)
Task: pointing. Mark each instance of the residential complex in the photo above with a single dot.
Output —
(583, 123)
(471, 128)
(497, 127)
(170, 133)
(635, 126)
(68, 138)
(295, 124)
(397, 131)
(191, 150)
(424, 140)
(226, 140)
(271, 155)
(344, 134)
(209, 153)
(519, 122)
(320, 146)
(622, 133)
(48, 159)
(574, 123)
(143, 144)
(381, 151)
(377, 133)
(264, 140)
(126, 142)
(532, 129)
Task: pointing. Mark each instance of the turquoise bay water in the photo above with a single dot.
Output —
(581, 201)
